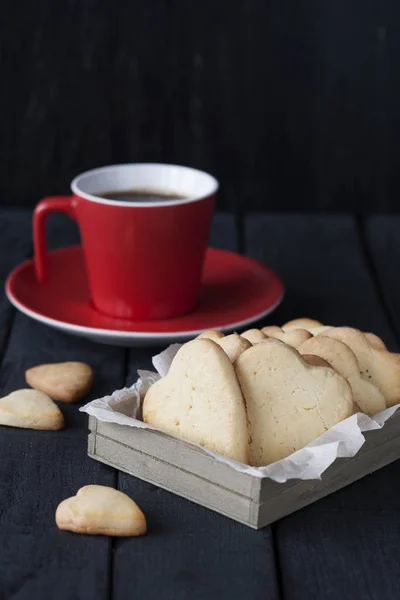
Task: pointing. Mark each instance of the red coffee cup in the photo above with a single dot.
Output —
(144, 259)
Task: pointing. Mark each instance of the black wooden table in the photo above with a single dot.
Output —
(345, 546)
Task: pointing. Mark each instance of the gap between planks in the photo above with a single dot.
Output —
(113, 540)
(367, 254)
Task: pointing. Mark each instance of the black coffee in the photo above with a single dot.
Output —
(141, 195)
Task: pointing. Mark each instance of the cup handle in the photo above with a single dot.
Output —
(53, 204)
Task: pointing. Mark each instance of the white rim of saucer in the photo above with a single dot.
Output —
(169, 336)
(148, 173)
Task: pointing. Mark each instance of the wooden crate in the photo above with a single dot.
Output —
(190, 472)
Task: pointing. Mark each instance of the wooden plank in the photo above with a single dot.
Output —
(321, 262)
(39, 469)
(345, 545)
(192, 550)
(15, 229)
(382, 233)
(293, 105)
(340, 547)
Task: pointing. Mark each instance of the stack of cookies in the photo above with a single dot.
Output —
(260, 396)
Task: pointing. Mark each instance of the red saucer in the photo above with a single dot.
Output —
(236, 291)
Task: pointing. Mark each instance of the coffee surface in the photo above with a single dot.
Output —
(141, 195)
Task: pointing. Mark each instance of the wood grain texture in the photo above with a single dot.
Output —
(323, 268)
(37, 472)
(340, 547)
(15, 229)
(39, 469)
(191, 550)
(382, 235)
(291, 105)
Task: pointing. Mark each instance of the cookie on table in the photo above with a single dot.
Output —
(66, 382)
(30, 409)
(101, 510)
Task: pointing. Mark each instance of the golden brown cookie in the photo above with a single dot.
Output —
(66, 382)
(379, 367)
(368, 397)
(211, 334)
(101, 510)
(293, 337)
(30, 409)
(233, 345)
(200, 400)
(289, 403)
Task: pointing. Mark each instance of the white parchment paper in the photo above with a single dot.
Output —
(341, 441)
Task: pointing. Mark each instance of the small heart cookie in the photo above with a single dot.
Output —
(66, 382)
(289, 403)
(254, 336)
(319, 330)
(368, 397)
(375, 341)
(211, 334)
(303, 323)
(101, 510)
(233, 345)
(293, 337)
(30, 409)
(200, 400)
(380, 367)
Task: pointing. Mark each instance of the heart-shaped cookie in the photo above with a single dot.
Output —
(292, 337)
(254, 336)
(211, 334)
(289, 403)
(66, 382)
(200, 400)
(375, 341)
(302, 323)
(101, 510)
(368, 397)
(30, 409)
(380, 367)
(233, 345)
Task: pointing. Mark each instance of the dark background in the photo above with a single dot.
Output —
(292, 104)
